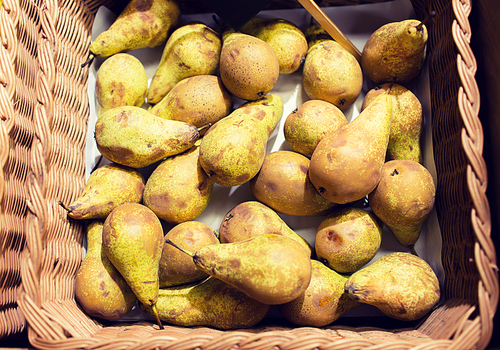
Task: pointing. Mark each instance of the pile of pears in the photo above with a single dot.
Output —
(203, 120)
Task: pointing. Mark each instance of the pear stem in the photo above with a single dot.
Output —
(201, 128)
(431, 15)
(155, 311)
(168, 241)
(89, 60)
(64, 206)
(413, 251)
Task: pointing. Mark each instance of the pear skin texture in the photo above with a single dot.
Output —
(403, 199)
(142, 24)
(249, 67)
(407, 121)
(121, 81)
(178, 189)
(132, 237)
(200, 100)
(99, 288)
(348, 239)
(309, 123)
(347, 163)
(323, 302)
(413, 285)
(332, 74)
(395, 52)
(192, 49)
(252, 218)
(283, 184)
(210, 303)
(287, 40)
(272, 269)
(107, 187)
(316, 33)
(175, 266)
(134, 137)
(233, 149)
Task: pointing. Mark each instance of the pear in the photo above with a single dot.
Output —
(395, 52)
(323, 302)
(331, 73)
(176, 267)
(121, 80)
(252, 218)
(401, 285)
(192, 49)
(315, 33)
(287, 40)
(407, 121)
(200, 100)
(249, 67)
(134, 137)
(305, 126)
(403, 199)
(272, 269)
(141, 24)
(99, 288)
(283, 184)
(107, 187)
(347, 163)
(233, 149)
(210, 303)
(132, 238)
(178, 189)
(347, 239)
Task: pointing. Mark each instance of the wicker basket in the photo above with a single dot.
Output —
(44, 111)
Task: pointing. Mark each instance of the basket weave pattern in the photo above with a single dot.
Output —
(44, 110)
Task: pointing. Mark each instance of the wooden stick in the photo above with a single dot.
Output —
(330, 27)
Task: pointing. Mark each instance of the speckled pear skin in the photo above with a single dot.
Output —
(407, 121)
(252, 218)
(249, 67)
(142, 24)
(323, 302)
(270, 268)
(210, 303)
(192, 49)
(347, 163)
(413, 285)
(283, 184)
(107, 187)
(132, 239)
(287, 40)
(99, 288)
(404, 199)
(316, 33)
(178, 189)
(134, 137)
(395, 52)
(121, 80)
(176, 267)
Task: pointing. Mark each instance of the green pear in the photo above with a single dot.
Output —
(401, 285)
(141, 24)
(395, 52)
(132, 238)
(192, 49)
(121, 80)
(252, 218)
(107, 187)
(134, 137)
(233, 149)
(407, 121)
(210, 303)
(315, 33)
(323, 302)
(347, 239)
(404, 199)
(178, 189)
(305, 126)
(283, 184)
(287, 40)
(347, 163)
(249, 67)
(272, 269)
(99, 288)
